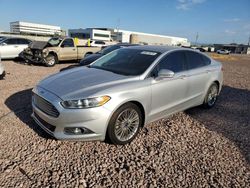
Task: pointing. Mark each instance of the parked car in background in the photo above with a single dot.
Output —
(55, 50)
(201, 49)
(2, 71)
(88, 59)
(97, 43)
(223, 51)
(11, 47)
(92, 57)
(124, 90)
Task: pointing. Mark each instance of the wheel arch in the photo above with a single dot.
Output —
(54, 53)
(141, 108)
(137, 103)
(217, 82)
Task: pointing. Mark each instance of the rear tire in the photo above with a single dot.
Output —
(51, 60)
(124, 124)
(211, 96)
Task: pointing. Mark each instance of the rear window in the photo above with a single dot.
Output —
(99, 42)
(196, 60)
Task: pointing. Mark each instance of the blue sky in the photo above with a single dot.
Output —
(216, 21)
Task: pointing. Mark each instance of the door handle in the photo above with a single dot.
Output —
(74, 49)
(208, 71)
(15, 46)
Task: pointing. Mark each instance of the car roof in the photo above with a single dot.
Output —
(125, 44)
(160, 49)
(14, 38)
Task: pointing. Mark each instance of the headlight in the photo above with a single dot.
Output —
(45, 52)
(86, 103)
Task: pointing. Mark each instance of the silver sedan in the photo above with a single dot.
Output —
(124, 90)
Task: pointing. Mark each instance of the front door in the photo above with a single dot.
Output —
(169, 94)
(68, 50)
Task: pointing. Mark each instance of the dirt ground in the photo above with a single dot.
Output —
(195, 148)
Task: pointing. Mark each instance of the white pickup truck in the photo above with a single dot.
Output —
(55, 50)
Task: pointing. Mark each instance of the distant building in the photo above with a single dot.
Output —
(90, 33)
(19, 27)
(234, 48)
(109, 34)
(151, 39)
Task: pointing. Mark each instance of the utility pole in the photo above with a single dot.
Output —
(249, 41)
(117, 29)
(196, 38)
(118, 25)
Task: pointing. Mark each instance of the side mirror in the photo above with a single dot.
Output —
(3, 44)
(165, 73)
(62, 46)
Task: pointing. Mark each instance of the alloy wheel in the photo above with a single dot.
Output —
(127, 124)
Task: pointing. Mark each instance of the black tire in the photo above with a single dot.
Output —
(209, 100)
(51, 60)
(112, 129)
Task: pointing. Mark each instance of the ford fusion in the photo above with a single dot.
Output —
(124, 90)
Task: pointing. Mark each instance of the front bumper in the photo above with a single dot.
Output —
(32, 58)
(93, 119)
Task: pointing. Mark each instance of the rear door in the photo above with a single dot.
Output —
(9, 48)
(68, 50)
(198, 75)
(169, 95)
(22, 44)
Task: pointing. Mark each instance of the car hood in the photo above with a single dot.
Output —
(82, 82)
(38, 45)
(89, 59)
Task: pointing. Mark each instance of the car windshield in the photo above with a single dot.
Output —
(108, 49)
(54, 41)
(126, 61)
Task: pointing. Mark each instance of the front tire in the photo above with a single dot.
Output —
(51, 60)
(212, 95)
(124, 124)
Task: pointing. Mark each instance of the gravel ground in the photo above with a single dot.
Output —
(196, 148)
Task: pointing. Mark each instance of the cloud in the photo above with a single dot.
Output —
(246, 26)
(187, 4)
(232, 20)
(230, 32)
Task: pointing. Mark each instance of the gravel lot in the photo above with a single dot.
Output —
(196, 148)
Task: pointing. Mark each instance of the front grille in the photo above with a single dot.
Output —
(45, 124)
(45, 106)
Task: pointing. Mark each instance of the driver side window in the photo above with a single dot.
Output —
(174, 61)
(68, 43)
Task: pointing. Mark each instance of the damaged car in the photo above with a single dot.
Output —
(55, 50)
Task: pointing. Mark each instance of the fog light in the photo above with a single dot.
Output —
(74, 130)
(77, 130)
